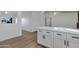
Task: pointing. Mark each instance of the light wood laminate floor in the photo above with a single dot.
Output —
(27, 40)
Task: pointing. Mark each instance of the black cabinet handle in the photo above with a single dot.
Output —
(59, 34)
(47, 32)
(43, 36)
(64, 42)
(67, 43)
(75, 37)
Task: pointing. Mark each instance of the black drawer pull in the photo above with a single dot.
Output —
(47, 32)
(64, 42)
(67, 43)
(75, 37)
(59, 34)
(43, 37)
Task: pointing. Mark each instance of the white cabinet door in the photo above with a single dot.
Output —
(40, 36)
(45, 38)
(49, 39)
(73, 40)
(59, 40)
(73, 44)
(58, 43)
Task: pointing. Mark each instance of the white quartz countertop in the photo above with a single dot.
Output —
(61, 29)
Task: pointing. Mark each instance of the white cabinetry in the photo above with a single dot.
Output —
(52, 37)
(63, 41)
(45, 37)
(58, 43)
(73, 40)
(59, 40)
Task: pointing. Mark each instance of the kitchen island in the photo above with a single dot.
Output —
(58, 37)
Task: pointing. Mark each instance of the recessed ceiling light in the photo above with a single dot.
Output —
(55, 13)
(6, 12)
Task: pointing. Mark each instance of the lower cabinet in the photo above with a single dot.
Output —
(45, 38)
(57, 39)
(59, 43)
(67, 41)
(73, 40)
(73, 44)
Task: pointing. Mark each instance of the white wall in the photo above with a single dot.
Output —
(37, 20)
(8, 31)
(26, 20)
(63, 19)
(31, 20)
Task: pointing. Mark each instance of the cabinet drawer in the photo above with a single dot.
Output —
(48, 34)
(72, 37)
(41, 31)
(45, 37)
(45, 31)
(59, 35)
